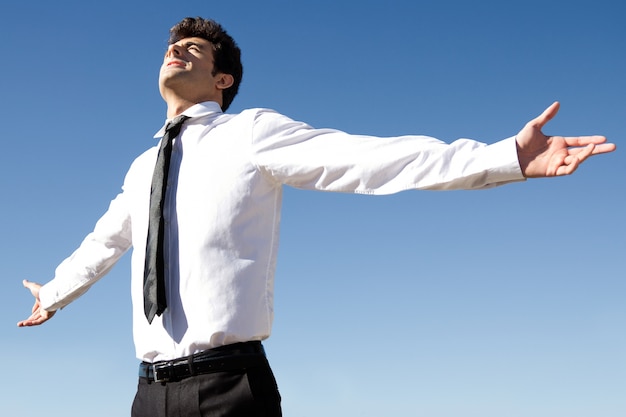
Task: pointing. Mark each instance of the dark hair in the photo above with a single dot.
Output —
(226, 53)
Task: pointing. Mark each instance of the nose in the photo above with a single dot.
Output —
(173, 50)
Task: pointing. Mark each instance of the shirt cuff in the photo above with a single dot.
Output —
(505, 168)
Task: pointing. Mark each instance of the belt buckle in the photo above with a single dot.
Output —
(161, 372)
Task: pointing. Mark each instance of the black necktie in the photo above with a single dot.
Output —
(154, 272)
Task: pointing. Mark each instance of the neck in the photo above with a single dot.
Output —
(174, 109)
(176, 104)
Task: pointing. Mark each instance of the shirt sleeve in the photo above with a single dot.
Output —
(293, 153)
(96, 255)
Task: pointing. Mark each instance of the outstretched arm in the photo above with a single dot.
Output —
(546, 156)
(39, 315)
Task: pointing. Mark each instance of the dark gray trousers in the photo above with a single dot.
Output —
(250, 392)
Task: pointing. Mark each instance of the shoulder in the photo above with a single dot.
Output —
(262, 121)
(269, 121)
(259, 113)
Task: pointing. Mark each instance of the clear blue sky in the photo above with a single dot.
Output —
(499, 303)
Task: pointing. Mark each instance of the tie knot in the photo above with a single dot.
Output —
(176, 122)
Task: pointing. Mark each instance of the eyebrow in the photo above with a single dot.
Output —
(192, 43)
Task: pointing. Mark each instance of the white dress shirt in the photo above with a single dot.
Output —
(222, 212)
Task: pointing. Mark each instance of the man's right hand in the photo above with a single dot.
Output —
(39, 315)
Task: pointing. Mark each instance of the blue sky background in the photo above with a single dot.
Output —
(499, 303)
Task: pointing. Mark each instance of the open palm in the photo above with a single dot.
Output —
(546, 156)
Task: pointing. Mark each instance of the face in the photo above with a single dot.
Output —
(187, 71)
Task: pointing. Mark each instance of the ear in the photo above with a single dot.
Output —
(224, 81)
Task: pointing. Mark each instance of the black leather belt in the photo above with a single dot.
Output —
(224, 358)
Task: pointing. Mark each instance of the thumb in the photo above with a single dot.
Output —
(33, 287)
(547, 115)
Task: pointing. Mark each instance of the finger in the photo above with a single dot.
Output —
(584, 140)
(581, 153)
(574, 159)
(570, 164)
(38, 317)
(600, 147)
(33, 320)
(604, 148)
(585, 150)
(556, 166)
(25, 323)
(547, 115)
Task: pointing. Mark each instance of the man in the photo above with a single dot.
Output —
(204, 244)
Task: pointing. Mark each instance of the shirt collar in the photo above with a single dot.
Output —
(197, 110)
